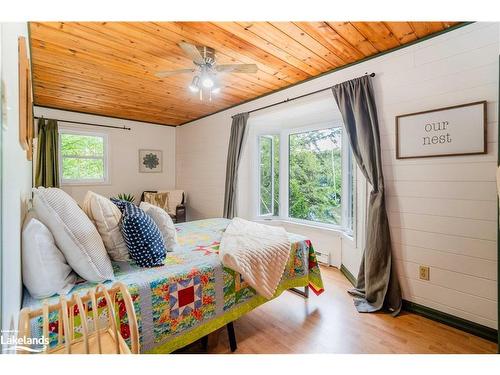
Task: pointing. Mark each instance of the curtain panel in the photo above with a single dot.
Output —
(47, 161)
(377, 284)
(236, 142)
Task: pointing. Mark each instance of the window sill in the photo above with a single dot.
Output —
(336, 230)
(85, 183)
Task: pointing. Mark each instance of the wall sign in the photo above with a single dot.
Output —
(150, 161)
(457, 130)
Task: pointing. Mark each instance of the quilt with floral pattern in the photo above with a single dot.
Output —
(192, 294)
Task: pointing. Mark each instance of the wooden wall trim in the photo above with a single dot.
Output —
(452, 321)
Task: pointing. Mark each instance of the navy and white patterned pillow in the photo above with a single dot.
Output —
(142, 236)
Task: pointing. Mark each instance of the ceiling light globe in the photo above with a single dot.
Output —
(207, 82)
(195, 84)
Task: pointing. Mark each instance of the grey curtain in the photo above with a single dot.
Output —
(377, 285)
(47, 162)
(238, 132)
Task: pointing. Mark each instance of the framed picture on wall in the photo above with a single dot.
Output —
(449, 131)
(25, 99)
(150, 161)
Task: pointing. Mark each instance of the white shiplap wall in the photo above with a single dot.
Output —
(442, 211)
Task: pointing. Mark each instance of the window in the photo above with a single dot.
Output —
(315, 176)
(314, 168)
(269, 175)
(82, 157)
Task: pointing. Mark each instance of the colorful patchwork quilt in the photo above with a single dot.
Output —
(192, 294)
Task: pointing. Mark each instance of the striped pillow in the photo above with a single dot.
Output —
(142, 236)
(75, 235)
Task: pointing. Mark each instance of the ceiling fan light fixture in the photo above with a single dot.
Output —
(207, 82)
(195, 84)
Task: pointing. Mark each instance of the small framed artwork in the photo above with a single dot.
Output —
(25, 99)
(150, 161)
(450, 131)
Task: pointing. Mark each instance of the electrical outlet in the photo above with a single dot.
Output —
(424, 273)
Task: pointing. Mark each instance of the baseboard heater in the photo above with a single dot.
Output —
(323, 258)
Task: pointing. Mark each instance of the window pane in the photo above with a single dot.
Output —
(81, 145)
(276, 156)
(82, 169)
(315, 176)
(351, 191)
(266, 174)
(269, 174)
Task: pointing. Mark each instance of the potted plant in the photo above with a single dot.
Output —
(125, 197)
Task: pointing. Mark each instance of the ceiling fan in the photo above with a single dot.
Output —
(206, 69)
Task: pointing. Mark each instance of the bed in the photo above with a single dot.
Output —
(193, 294)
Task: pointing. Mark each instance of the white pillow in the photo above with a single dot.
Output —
(106, 217)
(164, 222)
(74, 233)
(45, 270)
(174, 198)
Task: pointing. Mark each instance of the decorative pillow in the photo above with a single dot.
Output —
(74, 233)
(175, 198)
(142, 236)
(164, 223)
(159, 199)
(45, 270)
(106, 217)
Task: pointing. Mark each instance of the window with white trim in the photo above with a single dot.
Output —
(83, 157)
(269, 175)
(306, 175)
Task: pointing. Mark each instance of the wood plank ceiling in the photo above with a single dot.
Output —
(107, 68)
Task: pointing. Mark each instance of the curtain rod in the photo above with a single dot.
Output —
(297, 97)
(86, 123)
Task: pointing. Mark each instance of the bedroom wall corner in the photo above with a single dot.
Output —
(16, 176)
(123, 157)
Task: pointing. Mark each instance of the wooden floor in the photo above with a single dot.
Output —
(330, 324)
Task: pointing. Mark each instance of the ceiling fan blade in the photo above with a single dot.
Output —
(237, 68)
(192, 51)
(169, 73)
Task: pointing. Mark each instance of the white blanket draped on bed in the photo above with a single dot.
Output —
(258, 252)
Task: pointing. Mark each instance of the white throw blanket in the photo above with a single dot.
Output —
(258, 252)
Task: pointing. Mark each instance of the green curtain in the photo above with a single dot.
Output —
(47, 161)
